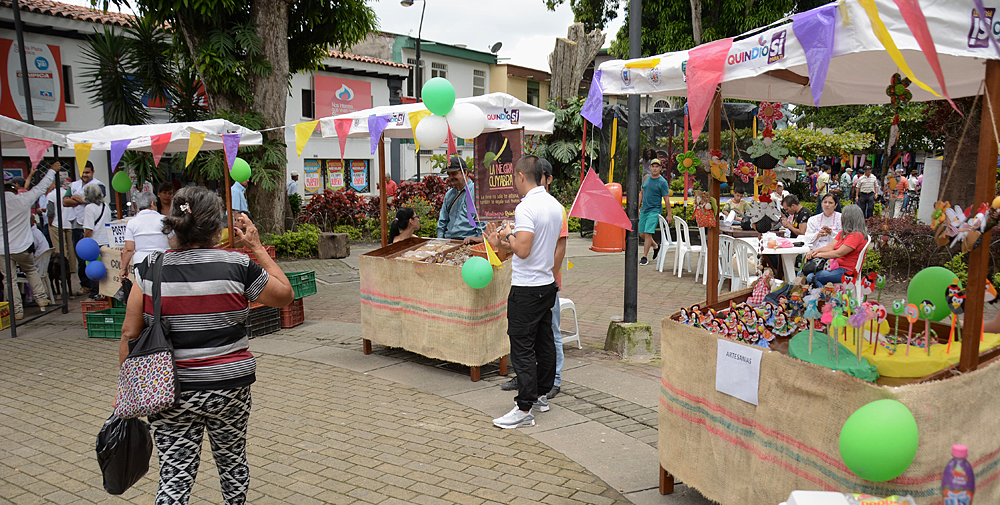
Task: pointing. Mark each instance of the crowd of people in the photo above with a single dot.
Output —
(896, 191)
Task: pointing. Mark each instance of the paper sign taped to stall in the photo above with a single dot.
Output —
(737, 370)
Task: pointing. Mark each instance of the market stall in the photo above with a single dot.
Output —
(735, 450)
(16, 134)
(428, 308)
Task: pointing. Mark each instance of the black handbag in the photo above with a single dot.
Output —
(814, 265)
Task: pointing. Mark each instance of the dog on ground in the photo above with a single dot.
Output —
(57, 266)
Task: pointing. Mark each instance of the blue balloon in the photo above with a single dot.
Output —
(96, 270)
(88, 250)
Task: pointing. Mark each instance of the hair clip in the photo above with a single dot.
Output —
(185, 207)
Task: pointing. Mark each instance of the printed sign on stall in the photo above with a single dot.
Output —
(44, 81)
(496, 154)
(313, 183)
(359, 175)
(334, 175)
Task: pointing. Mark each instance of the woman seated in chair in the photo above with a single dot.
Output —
(824, 226)
(845, 248)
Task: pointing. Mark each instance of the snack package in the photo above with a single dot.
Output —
(863, 499)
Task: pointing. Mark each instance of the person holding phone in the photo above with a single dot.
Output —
(821, 228)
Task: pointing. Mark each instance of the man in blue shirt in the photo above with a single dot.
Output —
(655, 190)
(238, 191)
(453, 222)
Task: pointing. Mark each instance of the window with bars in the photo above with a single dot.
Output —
(410, 90)
(478, 82)
(439, 70)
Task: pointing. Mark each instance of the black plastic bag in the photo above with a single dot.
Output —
(122, 294)
(123, 451)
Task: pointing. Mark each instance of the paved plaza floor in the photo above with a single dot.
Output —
(332, 425)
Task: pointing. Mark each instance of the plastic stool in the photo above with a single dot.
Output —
(564, 304)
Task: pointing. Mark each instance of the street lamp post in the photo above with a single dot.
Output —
(416, 71)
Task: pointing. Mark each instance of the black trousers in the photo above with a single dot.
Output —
(867, 203)
(81, 264)
(532, 348)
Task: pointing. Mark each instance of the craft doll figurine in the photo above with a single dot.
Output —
(705, 210)
(956, 302)
(720, 169)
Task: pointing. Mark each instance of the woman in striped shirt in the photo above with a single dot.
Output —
(203, 297)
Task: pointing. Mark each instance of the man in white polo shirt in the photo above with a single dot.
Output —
(533, 291)
(19, 237)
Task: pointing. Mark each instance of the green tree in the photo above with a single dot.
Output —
(594, 14)
(876, 120)
(562, 148)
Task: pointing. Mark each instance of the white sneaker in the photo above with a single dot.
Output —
(542, 404)
(514, 419)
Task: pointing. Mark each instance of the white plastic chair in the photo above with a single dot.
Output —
(743, 251)
(702, 258)
(666, 243)
(726, 262)
(567, 304)
(684, 247)
(857, 270)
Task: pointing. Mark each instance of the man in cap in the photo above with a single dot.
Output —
(453, 222)
(20, 240)
(292, 187)
(655, 190)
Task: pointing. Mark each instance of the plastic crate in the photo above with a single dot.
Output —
(293, 315)
(115, 304)
(105, 323)
(263, 321)
(303, 283)
(88, 306)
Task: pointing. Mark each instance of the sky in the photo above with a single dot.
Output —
(526, 28)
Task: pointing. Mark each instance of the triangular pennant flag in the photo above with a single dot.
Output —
(231, 144)
(643, 63)
(117, 149)
(593, 107)
(814, 29)
(915, 19)
(452, 148)
(194, 145)
(569, 265)
(82, 153)
(706, 63)
(158, 144)
(882, 34)
(595, 202)
(470, 207)
(36, 150)
(376, 125)
(343, 127)
(415, 118)
(303, 132)
(492, 256)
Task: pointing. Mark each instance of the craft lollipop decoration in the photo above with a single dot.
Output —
(811, 314)
(857, 321)
(955, 303)
(926, 311)
(827, 319)
(880, 284)
(839, 321)
(911, 316)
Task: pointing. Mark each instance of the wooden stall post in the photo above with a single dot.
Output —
(382, 192)
(712, 252)
(979, 258)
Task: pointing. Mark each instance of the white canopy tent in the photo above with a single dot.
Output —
(13, 132)
(503, 112)
(859, 69)
(214, 129)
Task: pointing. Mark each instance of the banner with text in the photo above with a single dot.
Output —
(359, 175)
(44, 82)
(336, 96)
(313, 182)
(334, 175)
(496, 153)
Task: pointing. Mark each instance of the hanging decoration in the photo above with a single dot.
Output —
(593, 107)
(882, 34)
(82, 150)
(719, 168)
(158, 144)
(343, 127)
(595, 202)
(687, 162)
(814, 30)
(917, 23)
(746, 171)
(376, 125)
(897, 90)
(194, 145)
(766, 152)
(231, 145)
(705, 66)
(768, 183)
(415, 118)
(303, 132)
(117, 149)
(706, 209)
(36, 150)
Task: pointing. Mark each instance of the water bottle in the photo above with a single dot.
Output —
(958, 483)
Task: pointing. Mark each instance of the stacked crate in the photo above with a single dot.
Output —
(303, 284)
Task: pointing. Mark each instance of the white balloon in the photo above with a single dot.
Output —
(432, 131)
(466, 120)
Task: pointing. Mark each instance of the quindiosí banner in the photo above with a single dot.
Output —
(496, 153)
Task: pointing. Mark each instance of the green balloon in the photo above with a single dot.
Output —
(240, 171)
(121, 182)
(879, 441)
(477, 272)
(438, 95)
(931, 284)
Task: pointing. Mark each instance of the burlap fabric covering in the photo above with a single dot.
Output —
(428, 309)
(736, 453)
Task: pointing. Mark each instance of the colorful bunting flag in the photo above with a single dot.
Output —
(415, 118)
(36, 150)
(595, 202)
(231, 144)
(303, 132)
(376, 125)
(82, 153)
(117, 149)
(593, 107)
(882, 34)
(158, 144)
(452, 147)
(470, 206)
(814, 29)
(343, 127)
(706, 63)
(194, 145)
(917, 23)
(643, 63)
(492, 256)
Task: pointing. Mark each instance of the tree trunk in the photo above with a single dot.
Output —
(570, 59)
(696, 21)
(270, 94)
(958, 183)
